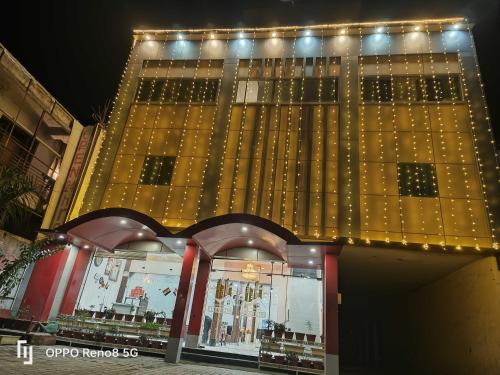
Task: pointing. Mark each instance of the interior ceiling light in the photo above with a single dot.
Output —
(250, 242)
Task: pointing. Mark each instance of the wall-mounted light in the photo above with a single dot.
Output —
(250, 242)
(123, 221)
(417, 28)
(312, 250)
(273, 34)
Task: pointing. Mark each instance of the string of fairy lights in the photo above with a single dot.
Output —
(298, 162)
(479, 162)
(241, 131)
(137, 139)
(119, 104)
(487, 118)
(412, 97)
(284, 184)
(395, 132)
(153, 205)
(274, 149)
(117, 178)
(317, 143)
(380, 140)
(180, 149)
(365, 228)
(443, 147)
(347, 125)
(150, 140)
(430, 134)
(212, 131)
(430, 159)
(259, 148)
(193, 151)
(226, 138)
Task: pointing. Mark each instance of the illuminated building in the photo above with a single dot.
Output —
(366, 143)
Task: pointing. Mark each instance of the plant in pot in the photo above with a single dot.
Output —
(305, 362)
(144, 340)
(99, 335)
(310, 338)
(160, 317)
(149, 316)
(109, 313)
(299, 336)
(279, 329)
(266, 357)
(292, 359)
(268, 331)
(279, 359)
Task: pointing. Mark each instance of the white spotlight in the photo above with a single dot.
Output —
(456, 26)
(312, 250)
(180, 36)
(123, 221)
(178, 242)
(241, 35)
(310, 262)
(273, 34)
(86, 246)
(61, 237)
(417, 28)
(250, 242)
(380, 29)
(148, 37)
(244, 229)
(343, 31)
(140, 234)
(212, 36)
(307, 33)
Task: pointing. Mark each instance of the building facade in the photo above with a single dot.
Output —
(36, 132)
(352, 154)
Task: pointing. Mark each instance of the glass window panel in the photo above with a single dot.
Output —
(240, 95)
(417, 180)
(157, 170)
(252, 91)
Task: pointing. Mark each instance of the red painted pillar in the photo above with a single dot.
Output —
(188, 273)
(331, 315)
(75, 282)
(196, 317)
(43, 284)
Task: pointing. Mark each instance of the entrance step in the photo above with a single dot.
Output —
(214, 356)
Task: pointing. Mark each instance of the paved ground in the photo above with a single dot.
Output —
(43, 365)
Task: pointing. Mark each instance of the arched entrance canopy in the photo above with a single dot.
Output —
(111, 227)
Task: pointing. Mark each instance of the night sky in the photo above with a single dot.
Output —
(77, 49)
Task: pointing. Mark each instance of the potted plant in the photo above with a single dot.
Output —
(279, 359)
(299, 336)
(310, 338)
(160, 317)
(109, 313)
(149, 316)
(144, 340)
(129, 317)
(266, 357)
(318, 365)
(99, 335)
(268, 332)
(306, 363)
(118, 316)
(292, 359)
(279, 329)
